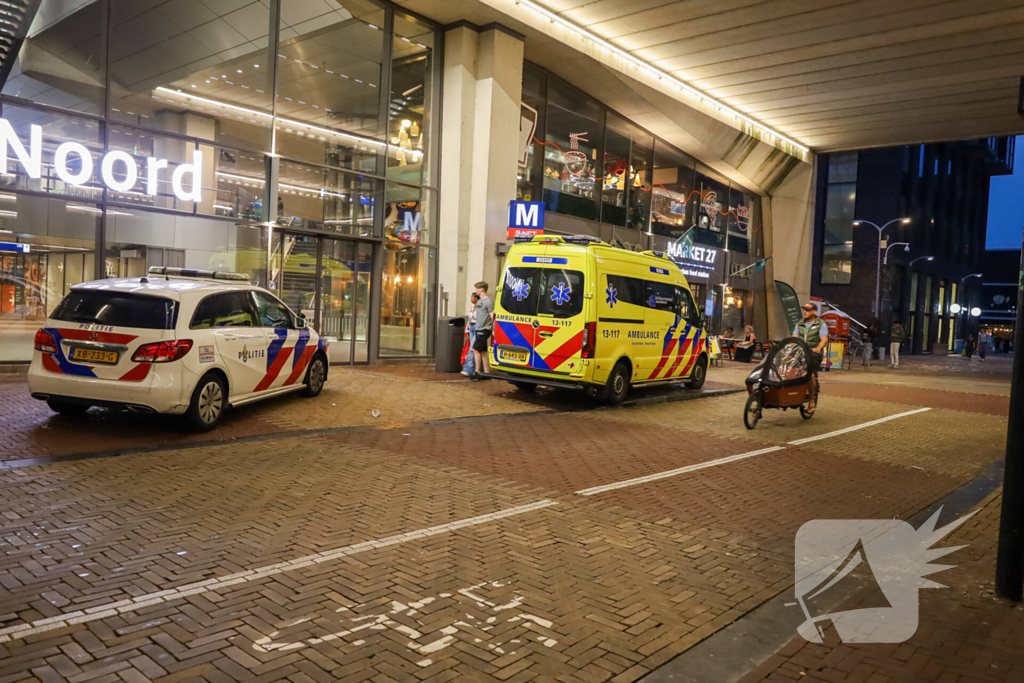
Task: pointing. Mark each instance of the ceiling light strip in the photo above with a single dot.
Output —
(655, 71)
(280, 120)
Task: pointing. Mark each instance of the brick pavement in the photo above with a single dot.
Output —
(606, 587)
(402, 394)
(965, 633)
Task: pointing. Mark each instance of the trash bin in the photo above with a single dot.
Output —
(448, 345)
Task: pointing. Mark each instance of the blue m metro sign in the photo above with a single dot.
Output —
(529, 215)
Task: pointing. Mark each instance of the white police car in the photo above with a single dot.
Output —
(177, 341)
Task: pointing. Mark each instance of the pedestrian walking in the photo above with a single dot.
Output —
(983, 337)
(468, 357)
(896, 338)
(813, 332)
(969, 344)
(870, 334)
(484, 319)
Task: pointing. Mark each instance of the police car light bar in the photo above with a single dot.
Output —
(203, 274)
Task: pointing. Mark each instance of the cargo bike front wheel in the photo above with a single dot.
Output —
(752, 411)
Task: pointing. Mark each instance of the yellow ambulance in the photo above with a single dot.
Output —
(576, 311)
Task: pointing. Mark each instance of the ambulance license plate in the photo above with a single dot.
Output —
(94, 356)
(513, 356)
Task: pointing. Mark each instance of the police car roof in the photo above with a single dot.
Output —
(160, 286)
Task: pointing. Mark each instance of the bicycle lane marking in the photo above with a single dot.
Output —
(734, 458)
(130, 605)
(838, 432)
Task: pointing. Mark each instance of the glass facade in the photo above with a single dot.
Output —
(299, 149)
(636, 191)
(586, 161)
(837, 256)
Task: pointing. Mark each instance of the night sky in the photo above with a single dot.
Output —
(1006, 205)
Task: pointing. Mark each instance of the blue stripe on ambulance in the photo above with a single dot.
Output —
(517, 339)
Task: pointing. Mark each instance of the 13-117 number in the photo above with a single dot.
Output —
(610, 334)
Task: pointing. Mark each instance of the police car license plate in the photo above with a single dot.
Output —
(94, 356)
(513, 356)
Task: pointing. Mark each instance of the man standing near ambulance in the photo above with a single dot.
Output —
(484, 329)
(813, 332)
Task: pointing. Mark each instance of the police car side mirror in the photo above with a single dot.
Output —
(300, 320)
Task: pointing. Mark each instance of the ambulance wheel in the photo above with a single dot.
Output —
(617, 388)
(209, 400)
(68, 408)
(524, 386)
(752, 411)
(316, 376)
(699, 374)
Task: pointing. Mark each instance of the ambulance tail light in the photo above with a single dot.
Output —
(589, 339)
(162, 352)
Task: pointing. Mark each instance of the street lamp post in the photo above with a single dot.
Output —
(878, 270)
(926, 258)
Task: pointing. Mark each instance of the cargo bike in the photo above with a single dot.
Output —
(782, 380)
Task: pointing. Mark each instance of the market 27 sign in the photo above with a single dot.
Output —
(116, 160)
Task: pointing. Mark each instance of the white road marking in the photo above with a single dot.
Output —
(355, 621)
(733, 458)
(854, 428)
(133, 604)
(672, 473)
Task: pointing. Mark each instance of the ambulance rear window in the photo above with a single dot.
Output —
(117, 309)
(542, 291)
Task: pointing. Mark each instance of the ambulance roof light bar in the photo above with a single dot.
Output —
(201, 274)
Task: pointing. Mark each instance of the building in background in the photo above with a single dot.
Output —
(997, 299)
(933, 261)
(359, 160)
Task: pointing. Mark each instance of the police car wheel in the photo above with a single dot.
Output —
(209, 399)
(618, 384)
(68, 408)
(524, 386)
(316, 376)
(699, 374)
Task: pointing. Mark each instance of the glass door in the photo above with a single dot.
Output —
(345, 268)
(296, 266)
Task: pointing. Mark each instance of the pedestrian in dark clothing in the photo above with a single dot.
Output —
(870, 334)
(969, 346)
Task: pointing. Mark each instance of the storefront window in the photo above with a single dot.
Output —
(531, 127)
(325, 200)
(137, 240)
(201, 73)
(329, 77)
(56, 130)
(614, 172)
(409, 215)
(673, 184)
(574, 128)
(710, 208)
(640, 165)
(412, 102)
(60, 250)
(60, 64)
(407, 291)
(739, 219)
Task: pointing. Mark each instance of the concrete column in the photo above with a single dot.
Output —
(789, 235)
(483, 75)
